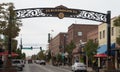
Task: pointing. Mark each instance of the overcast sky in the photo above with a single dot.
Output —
(35, 30)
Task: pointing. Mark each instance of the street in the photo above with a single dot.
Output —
(43, 68)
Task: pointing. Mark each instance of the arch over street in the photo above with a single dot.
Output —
(61, 12)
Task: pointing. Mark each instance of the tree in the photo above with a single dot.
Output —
(34, 57)
(59, 57)
(18, 51)
(48, 56)
(41, 55)
(9, 25)
(23, 56)
(117, 24)
(69, 48)
(90, 49)
(20, 54)
(14, 45)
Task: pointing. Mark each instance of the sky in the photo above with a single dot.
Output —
(34, 31)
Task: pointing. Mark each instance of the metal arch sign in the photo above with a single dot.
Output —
(61, 12)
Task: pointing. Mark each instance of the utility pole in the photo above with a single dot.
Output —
(8, 66)
(9, 37)
(109, 59)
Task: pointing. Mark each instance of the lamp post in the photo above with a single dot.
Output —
(64, 47)
(50, 47)
(82, 52)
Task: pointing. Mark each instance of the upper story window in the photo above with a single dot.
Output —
(103, 33)
(100, 35)
(112, 31)
(79, 33)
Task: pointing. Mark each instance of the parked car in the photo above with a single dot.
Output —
(78, 66)
(42, 62)
(37, 61)
(18, 64)
(23, 63)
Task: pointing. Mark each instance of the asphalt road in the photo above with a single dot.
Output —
(43, 68)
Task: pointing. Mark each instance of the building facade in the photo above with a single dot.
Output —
(57, 44)
(102, 38)
(78, 34)
(93, 35)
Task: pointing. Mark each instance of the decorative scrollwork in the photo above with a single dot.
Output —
(61, 12)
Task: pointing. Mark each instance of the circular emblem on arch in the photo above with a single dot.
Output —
(61, 15)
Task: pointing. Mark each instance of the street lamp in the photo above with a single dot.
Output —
(64, 47)
(82, 52)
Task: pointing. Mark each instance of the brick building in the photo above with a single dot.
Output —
(93, 35)
(57, 44)
(78, 33)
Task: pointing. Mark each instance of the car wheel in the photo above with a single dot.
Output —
(21, 69)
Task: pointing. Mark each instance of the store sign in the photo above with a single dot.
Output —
(61, 12)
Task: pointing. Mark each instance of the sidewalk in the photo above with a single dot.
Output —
(89, 69)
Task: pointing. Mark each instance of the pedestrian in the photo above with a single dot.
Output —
(1, 50)
(1, 63)
(95, 64)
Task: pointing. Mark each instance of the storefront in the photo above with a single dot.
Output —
(117, 57)
(102, 55)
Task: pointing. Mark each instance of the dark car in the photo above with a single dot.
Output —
(30, 61)
(42, 62)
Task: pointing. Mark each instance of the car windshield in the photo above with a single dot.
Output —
(15, 62)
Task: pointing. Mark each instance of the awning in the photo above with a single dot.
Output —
(100, 55)
(6, 53)
(116, 49)
(103, 49)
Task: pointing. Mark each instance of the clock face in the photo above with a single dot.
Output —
(61, 15)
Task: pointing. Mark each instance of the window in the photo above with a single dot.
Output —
(100, 35)
(103, 33)
(112, 31)
(79, 33)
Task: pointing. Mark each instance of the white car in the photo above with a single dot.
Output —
(78, 66)
(37, 61)
(18, 64)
